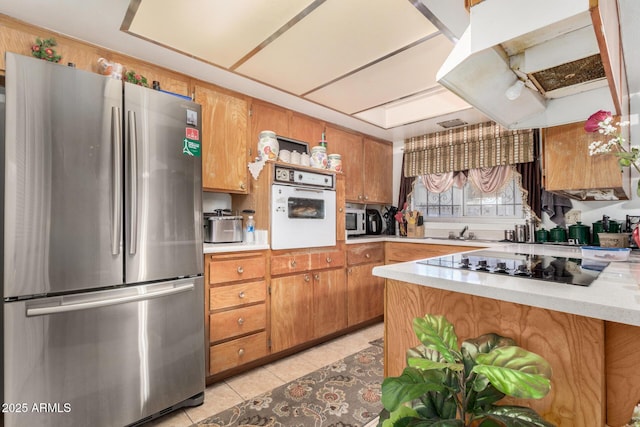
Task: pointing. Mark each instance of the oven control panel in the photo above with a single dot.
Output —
(304, 178)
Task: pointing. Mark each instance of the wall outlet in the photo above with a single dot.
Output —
(573, 216)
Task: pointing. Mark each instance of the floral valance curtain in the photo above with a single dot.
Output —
(477, 146)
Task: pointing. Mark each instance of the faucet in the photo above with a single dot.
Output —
(464, 230)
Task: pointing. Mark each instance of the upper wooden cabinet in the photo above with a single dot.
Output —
(569, 170)
(305, 128)
(224, 140)
(367, 164)
(266, 116)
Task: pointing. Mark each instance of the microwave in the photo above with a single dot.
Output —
(356, 222)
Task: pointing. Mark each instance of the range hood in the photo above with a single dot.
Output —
(567, 63)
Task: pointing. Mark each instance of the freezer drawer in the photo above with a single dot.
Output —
(104, 358)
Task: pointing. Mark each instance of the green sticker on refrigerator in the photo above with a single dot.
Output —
(191, 147)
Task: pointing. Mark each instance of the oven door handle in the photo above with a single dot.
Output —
(310, 190)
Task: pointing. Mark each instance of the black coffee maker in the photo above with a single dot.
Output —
(389, 213)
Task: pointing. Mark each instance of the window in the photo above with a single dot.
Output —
(470, 201)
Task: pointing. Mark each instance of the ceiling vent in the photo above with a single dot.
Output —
(452, 123)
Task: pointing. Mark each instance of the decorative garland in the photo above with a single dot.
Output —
(43, 49)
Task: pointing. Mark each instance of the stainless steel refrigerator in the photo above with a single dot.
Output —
(102, 249)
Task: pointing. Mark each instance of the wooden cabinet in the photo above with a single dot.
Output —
(305, 128)
(367, 164)
(224, 140)
(341, 208)
(265, 116)
(402, 251)
(308, 299)
(235, 309)
(569, 170)
(365, 292)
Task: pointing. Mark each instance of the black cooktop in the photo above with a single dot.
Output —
(571, 271)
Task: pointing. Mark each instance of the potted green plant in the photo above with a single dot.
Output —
(447, 386)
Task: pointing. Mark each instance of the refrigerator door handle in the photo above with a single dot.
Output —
(133, 182)
(61, 307)
(116, 197)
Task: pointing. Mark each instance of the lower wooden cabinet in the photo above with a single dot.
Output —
(402, 251)
(236, 309)
(310, 302)
(365, 292)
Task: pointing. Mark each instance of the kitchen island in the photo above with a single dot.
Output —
(589, 334)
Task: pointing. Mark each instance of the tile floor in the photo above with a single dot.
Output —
(234, 390)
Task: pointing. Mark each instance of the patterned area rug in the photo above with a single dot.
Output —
(343, 394)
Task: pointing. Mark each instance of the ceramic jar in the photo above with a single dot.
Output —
(318, 158)
(580, 233)
(558, 234)
(334, 162)
(268, 146)
(305, 160)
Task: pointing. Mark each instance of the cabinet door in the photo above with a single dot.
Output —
(365, 294)
(378, 156)
(349, 146)
(341, 232)
(305, 129)
(224, 140)
(569, 167)
(267, 117)
(330, 302)
(291, 311)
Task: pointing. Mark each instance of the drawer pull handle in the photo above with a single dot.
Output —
(367, 256)
(240, 269)
(241, 352)
(316, 276)
(329, 260)
(293, 263)
(240, 321)
(307, 278)
(241, 294)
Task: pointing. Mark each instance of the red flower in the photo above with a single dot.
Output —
(138, 77)
(592, 124)
(35, 48)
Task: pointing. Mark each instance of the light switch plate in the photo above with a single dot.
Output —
(573, 216)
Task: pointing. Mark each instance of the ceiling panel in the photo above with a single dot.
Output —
(402, 75)
(336, 39)
(218, 31)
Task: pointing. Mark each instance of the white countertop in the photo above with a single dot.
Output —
(613, 296)
(216, 248)
(423, 240)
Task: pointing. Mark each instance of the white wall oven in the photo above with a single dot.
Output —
(303, 209)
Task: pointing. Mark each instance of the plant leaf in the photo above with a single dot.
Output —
(412, 384)
(516, 372)
(426, 364)
(401, 417)
(436, 333)
(514, 416)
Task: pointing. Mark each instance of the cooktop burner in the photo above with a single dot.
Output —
(571, 271)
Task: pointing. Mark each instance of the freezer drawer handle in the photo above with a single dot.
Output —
(42, 311)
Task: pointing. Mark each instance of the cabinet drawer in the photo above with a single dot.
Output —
(237, 352)
(289, 263)
(327, 260)
(365, 253)
(232, 323)
(239, 294)
(401, 252)
(239, 268)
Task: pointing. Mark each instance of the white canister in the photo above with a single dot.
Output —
(304, 159)
(268, 146)
(334, 162)
(295, 157)
(318, 158)
(285, 155)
